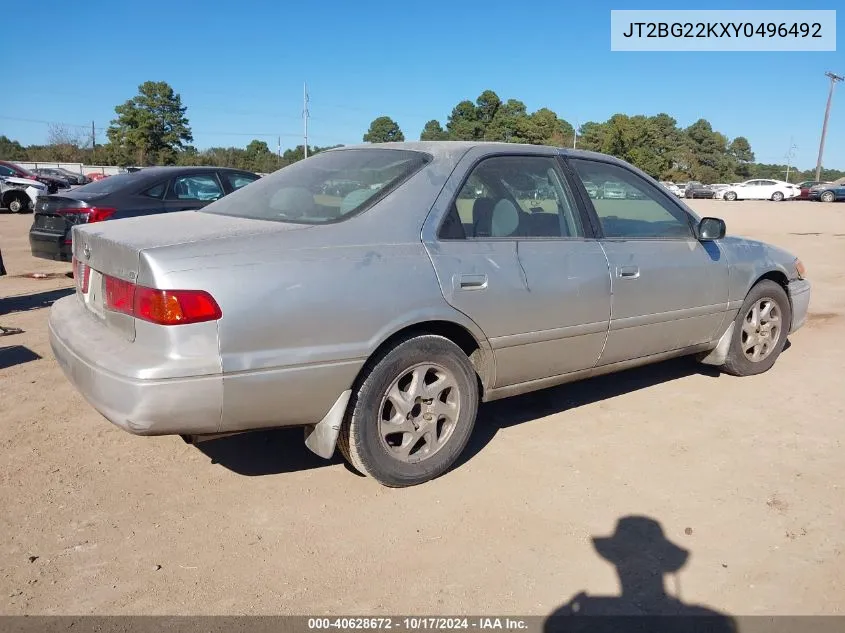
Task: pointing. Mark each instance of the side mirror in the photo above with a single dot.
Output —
(710, 229)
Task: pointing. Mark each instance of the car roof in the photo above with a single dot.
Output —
(455, 149)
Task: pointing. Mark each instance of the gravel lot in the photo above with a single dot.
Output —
(744, 473)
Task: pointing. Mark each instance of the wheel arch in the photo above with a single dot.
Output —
(473, 344)
(10, 194)
(780, 278)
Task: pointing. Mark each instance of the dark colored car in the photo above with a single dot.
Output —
(16, 171)
(831, 192)
(147, 192)
(698, 190)
(63, 181)
(73, 177)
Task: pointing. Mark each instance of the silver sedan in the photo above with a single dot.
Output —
(380, 313)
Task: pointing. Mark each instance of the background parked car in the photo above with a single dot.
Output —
(147, 192)
(804, 188)
(673, 188)
(19, 194)
(12, 170)
(762, 189)
(61, 181)
(829, 192)
(74, 178)
(682, 187)
(698, 190)
(96, 175)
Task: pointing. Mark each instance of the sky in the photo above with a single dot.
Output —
(240, 67)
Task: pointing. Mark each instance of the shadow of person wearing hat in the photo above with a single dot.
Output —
(642, 555)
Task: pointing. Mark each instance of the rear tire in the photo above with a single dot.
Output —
(730, 196)
(760, 330)
(412, 412)
(777, 196)
(827, 196)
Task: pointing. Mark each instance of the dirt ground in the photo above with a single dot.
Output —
(746, 474)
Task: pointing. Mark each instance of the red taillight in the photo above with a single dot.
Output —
(87, 215)
(81, 274)
(173, 307)
(163, 307)
(120, 295)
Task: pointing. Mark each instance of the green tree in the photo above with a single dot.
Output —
(11, 150)
(433, 131)
(383, 130)
(487, 105)
(509, 123)
(463, 123)
(152, 126)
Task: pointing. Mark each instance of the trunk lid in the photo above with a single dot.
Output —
(58, 213)
(114, 249)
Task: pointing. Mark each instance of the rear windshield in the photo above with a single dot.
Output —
(328, 187)
(107, 185)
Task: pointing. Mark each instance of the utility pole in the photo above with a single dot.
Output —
(305, 115)
(833, 79)
(93, 142)
(279, 151)
(575, 136)
(789, 155)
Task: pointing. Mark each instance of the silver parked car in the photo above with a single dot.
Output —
(379, 318)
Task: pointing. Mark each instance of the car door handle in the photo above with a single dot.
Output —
(472, 282)
(628, 272)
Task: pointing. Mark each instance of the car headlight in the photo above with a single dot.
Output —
(799, 269)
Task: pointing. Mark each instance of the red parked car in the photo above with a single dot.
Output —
(805, 188)
(96, 175)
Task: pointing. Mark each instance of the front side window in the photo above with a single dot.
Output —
(513, 196)
(628, 206)
(327, 187)
(6, 171)
(202, 187)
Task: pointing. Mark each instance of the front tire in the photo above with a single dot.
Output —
(412, 413)
(777, 196)
(730, 196)
(18, 203)
(760, 330)
(827, 196)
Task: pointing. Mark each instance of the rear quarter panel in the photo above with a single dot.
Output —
(300, 322)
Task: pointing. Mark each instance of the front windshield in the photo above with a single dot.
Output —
(328, 187)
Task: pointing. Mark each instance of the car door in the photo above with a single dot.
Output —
(514, 256)
(754, 190)
(767, 189)
(669, 291)
(191, 191)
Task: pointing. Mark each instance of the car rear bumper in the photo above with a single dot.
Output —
(169, 406)
(799, 297)
(47, 245)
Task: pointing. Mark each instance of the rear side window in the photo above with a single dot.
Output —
(514, 197)
(328, 187)
(156, 191)
(236, 181)
(201, 187)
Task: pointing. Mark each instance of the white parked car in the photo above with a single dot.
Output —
(682, 188)
(19, 194)
(674, 189)
(762, 189)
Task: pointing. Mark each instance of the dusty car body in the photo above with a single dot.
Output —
(379, 320)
